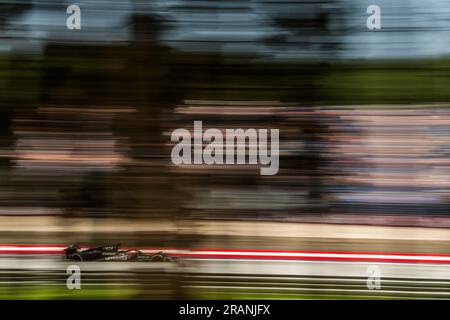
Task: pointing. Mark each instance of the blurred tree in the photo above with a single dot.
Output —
(309, 29)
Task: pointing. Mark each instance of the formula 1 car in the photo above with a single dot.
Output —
(113, 253)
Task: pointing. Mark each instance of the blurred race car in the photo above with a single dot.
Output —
(113, 253)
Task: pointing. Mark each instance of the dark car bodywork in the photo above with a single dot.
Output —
(113, 253)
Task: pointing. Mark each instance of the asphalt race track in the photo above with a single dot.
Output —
(226, 274)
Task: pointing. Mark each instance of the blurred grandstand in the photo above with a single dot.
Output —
(364, 119)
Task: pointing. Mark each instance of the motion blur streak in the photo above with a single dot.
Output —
(86, 117)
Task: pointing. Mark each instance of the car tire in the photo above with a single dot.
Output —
(77, 257)
(157, 258)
